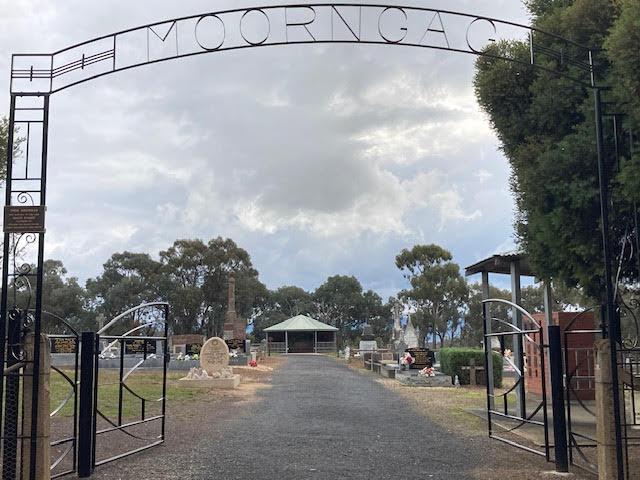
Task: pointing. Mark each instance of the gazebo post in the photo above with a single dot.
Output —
(315, 341)
(268, 351)
(286, 342)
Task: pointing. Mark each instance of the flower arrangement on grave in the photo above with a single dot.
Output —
(427, 372)
(233, 354)
(406, 359)
(253, 363)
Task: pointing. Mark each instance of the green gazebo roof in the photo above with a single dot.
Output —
(301, 323)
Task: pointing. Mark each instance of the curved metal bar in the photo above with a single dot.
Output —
(513, 305)
(106, 46)
(59, 318)
(510, 390)
(121, 428)
(590, 467)
(570, 324)
(576, 397)
(513, 365)
(133, 369)
(123, 335)
(527, 420)
(517, 330)
(64, 402)
(372, 5)
(64, 454)
(69, 395)
(131, 310)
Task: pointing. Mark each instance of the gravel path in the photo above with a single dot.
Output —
(320, 420)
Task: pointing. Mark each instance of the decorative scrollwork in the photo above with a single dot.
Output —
(626, 296)
(25, 197)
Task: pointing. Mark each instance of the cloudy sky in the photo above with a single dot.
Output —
(317, 159)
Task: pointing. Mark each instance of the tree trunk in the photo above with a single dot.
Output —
(434, 337)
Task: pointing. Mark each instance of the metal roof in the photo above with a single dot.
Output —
(501, 263)
(301, 323)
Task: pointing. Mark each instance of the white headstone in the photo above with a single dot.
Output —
(214, 355)
(347, 352)
(368, 345)
(410, 335)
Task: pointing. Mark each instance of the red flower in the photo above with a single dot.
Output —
(253, 363)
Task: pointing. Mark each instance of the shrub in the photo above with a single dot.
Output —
(453, 359)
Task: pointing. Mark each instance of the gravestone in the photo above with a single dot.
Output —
(214, 371)
(192, 349)
(236, 344)
(410, 334)
(135, 346)
(367, 344)
(423, 357)
(367, 333)
(214, 356)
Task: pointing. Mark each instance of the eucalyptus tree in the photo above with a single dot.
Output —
(438, 290)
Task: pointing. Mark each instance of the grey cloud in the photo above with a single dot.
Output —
(310, 136)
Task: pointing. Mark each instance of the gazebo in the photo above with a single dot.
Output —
(301, 334)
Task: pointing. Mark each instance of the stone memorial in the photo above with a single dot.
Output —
(235, 328)
(192, 349)
(214, 371)
(423, 357)
(236, 344)
(410, 334)
(415, 376)
(137, 347)
(367, 342)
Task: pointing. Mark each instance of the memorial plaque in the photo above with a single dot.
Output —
(422, 356)
(236, 344)
(63, 345)
(214, 356)
(132, 347)
(21, 219)
(192, 348)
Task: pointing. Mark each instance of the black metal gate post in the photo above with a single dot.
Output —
(612, 327)
(23, 248)
(557, 399)
(86, 436)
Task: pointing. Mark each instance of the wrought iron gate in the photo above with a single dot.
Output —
(141, 424)
(80, 421)
(36, 76)
(504, 416)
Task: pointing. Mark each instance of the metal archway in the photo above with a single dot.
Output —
(35, 77)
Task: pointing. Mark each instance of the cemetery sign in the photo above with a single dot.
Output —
(24, 219)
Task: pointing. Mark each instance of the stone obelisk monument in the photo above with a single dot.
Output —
(234, 327)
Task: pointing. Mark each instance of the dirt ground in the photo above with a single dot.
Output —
(189, 415)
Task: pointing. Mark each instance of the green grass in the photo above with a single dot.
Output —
(145, 384)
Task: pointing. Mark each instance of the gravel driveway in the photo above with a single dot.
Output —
(319, 420)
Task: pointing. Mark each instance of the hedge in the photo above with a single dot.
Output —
(453, 359)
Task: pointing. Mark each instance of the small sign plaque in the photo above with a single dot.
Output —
(21, 219)
(63, 345)
(132, 347)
